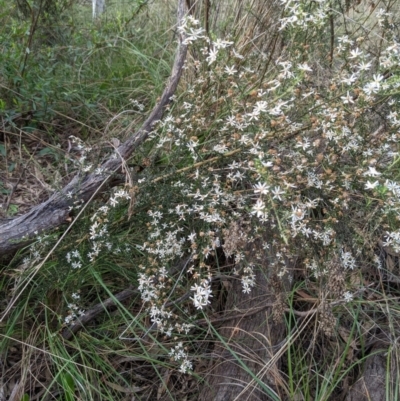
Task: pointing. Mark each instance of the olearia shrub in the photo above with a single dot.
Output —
(306, 152)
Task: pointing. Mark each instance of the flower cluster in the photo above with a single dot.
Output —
(74, 259)
(99, 241)
(179, 354)
(248, 278)
(201, 294)
(80, 151)
(303, 15)
(75, 311)
(37, 249)
(98, 231)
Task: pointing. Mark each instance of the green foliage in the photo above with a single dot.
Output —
(82, 69)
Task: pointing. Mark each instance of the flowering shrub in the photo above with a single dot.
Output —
(307, 154)
(302, 146)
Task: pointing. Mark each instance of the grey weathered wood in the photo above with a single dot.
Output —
(254, 338)
(18, 232)
(372, 385)
(98, 7)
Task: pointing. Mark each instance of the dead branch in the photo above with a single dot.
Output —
(20, 231)
(68, 332)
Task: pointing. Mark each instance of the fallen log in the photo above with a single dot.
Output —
(245, 363)
(18, 232)
(378, 380)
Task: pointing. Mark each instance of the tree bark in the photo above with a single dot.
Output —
(372, 385)
(20, 231)
(98, 7)
(254, 340)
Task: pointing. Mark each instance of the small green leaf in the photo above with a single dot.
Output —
(49, 152)
(13, 209)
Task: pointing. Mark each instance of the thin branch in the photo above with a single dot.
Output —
(69, 331)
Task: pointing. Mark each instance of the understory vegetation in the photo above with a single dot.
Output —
(272, 177)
